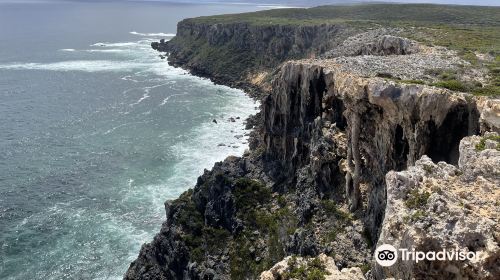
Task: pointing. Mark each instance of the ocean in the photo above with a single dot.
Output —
(96, 132)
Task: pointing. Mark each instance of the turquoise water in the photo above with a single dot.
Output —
(96, 132)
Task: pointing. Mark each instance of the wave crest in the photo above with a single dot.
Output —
(152, 34)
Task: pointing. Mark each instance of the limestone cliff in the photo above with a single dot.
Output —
(324, 178)
(386, 126)
(431, 207)
(236, 53)
(327, 140)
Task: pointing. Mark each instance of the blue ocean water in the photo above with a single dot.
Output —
(96, 132)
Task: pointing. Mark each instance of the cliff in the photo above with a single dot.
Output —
(324, 179)
(237, 53)
(244, 50)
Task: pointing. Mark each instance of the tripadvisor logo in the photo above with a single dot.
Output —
(387, 255)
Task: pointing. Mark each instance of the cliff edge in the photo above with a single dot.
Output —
(365, 136)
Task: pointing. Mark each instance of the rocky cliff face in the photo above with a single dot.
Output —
(431, 207)
(384, 126)
(233, 53)
(314, 181)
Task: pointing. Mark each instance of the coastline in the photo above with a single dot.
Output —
(328, 145)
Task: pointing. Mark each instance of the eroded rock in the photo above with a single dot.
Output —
(289, 265)
(431, 207)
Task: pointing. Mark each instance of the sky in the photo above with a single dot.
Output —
(302, 3)
(323, 2)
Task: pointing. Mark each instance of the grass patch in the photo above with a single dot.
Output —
(417, 13)
(331, 209)
(419, 214)
(481, 146)
(253, 200)
(365, 267)
(313, 270)
(415, 82)
(454, 85)
(417, 199)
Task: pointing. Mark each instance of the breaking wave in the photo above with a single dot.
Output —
(153, 34)
(78, 65)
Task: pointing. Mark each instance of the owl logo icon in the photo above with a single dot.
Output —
(386, 255)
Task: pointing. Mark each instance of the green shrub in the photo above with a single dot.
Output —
(313, 270)
(249, 193)
(454, 85)
(482, 144)
(253, 201)
(487, 91)
(428, 169)
(417, 199)
(331, 235)
(331, 209)
(242, 263)
(365, 267)
(419, 214)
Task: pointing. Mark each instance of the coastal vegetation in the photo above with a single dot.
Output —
(473, 32)
(482, 143)
(313, 270)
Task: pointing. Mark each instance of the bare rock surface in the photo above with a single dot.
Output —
(282, 269)
(382, 41)
(431, 207)
(421, 65)
(490, 114)
(382, 52)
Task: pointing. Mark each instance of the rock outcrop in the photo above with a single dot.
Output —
(378, 42)
(436, 206)
(296, 267)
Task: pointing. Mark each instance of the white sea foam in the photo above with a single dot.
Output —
(107, 228)
(79, 65)
(106, 51)
(129, 78)
(153, 34)
(165, 101)
(124, 44)
(148, 89)
(136, 57)
(202, 149)
(143, 97)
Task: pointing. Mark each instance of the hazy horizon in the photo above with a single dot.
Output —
(293, 3)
